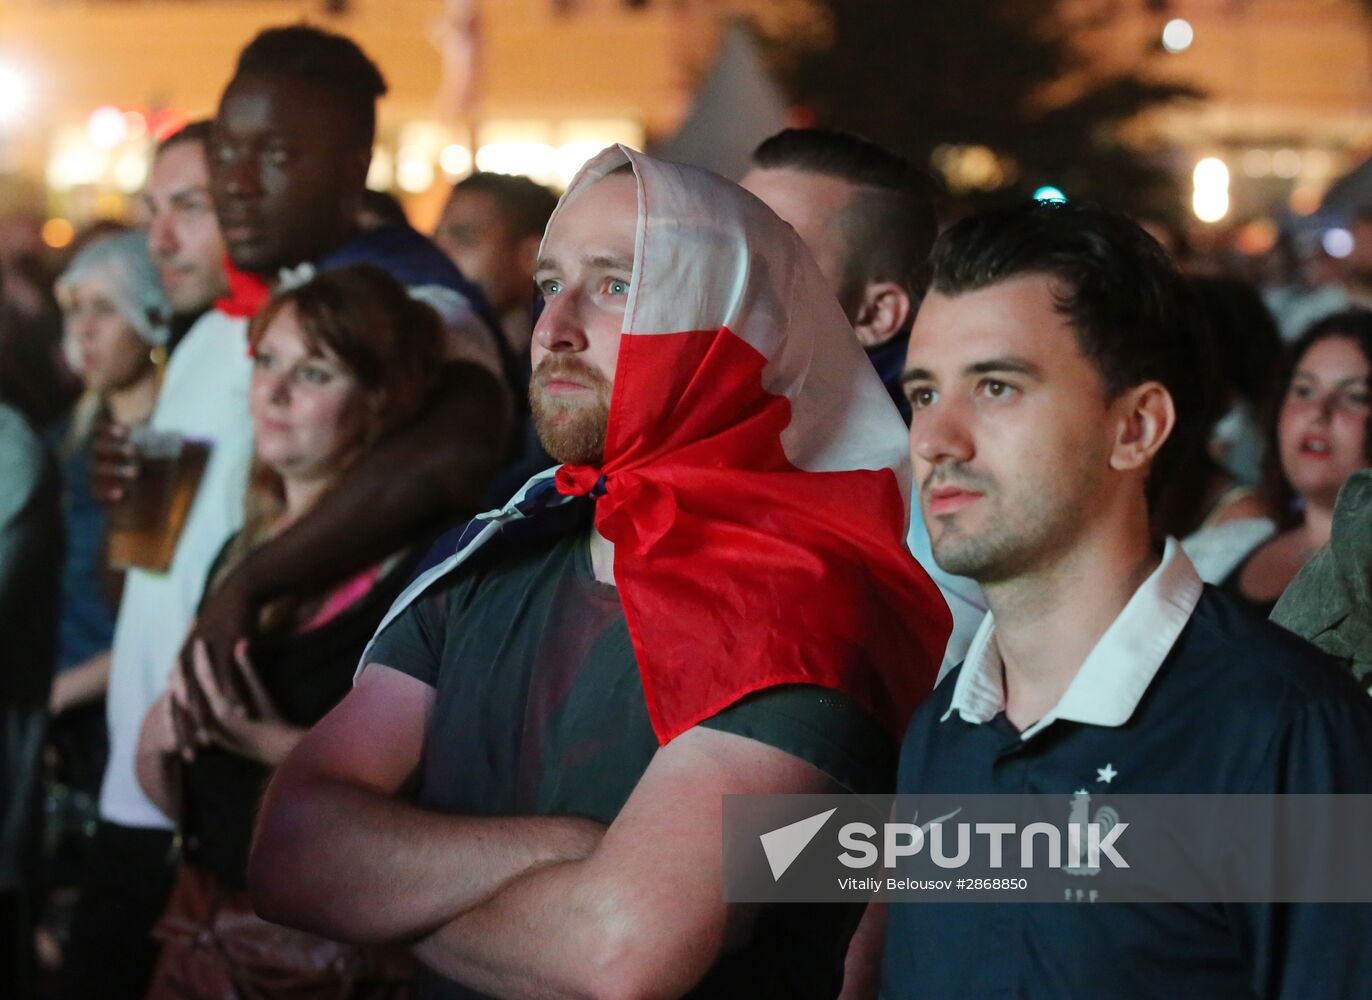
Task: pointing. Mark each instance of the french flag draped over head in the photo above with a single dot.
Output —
(755, 474)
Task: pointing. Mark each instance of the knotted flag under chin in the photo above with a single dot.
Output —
(755, 476)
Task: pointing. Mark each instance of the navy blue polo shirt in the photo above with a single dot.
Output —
(1238, 705)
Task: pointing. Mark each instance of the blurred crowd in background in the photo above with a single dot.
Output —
(255, 298)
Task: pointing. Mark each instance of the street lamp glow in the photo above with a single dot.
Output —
(1210, 204)
(1050, 195)
(1210, 194)
(1211, 172)
(14, 95)
(1177, 35)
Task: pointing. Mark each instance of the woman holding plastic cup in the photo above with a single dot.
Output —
(338, 362)
(115, 319)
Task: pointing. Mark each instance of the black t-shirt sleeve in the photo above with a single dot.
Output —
(413, 642)
(820, 726)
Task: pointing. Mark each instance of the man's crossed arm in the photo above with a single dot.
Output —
(523, 907)
(338, 853)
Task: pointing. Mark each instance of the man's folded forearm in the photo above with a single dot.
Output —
(389, 870)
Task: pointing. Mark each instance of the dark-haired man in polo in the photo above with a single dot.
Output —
(1056, 378)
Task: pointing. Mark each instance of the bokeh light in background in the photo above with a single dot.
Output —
(1257, 163)
(1211, 172)
(1305, 199)
(973, 168)
(1286, 163)
(534, 159)
(107, 127)
(58, 233)
(1210, 190)
(131, 171)
(14, 94)
(1338, 243)
(456, 160)
(427, 153)
(1257, 237)
(135, 125)
(1282, 167)
(414, 172)
(1210, 205)
(1177, 35)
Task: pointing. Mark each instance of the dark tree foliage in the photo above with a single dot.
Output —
(1009, 75)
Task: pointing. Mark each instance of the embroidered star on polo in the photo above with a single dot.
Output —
(1106, 773)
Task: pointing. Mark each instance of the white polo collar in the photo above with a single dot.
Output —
(1117, 671)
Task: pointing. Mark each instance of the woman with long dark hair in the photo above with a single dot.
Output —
(1320, 438)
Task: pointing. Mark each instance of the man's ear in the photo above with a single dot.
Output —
(1146, 417)
(883, 312)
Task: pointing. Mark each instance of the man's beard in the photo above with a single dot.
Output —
(1011, 538)
(571, 432)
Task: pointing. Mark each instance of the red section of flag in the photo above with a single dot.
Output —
(247, 293)
(737, 570)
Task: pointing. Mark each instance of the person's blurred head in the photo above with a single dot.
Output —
(1321, 431)
(584, 273)
(93, 232)
(1171, 237)
(35, 379)
(491, 229)
(865, 213)
(338, 362)
(1248, 352)
(291, 148)
(183, 232)
(1051, 368)
(380, 209)
(114, 312)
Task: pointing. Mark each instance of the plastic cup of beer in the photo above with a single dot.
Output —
(144, 525)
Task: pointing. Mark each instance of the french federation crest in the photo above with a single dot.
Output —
(1079, 818)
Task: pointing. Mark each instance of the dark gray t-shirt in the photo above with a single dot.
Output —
(540, 710)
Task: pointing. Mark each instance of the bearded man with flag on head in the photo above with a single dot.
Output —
(710, 596)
